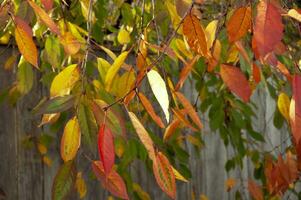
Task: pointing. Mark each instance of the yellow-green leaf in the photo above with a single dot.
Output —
(114, 69)
(64, 81)
(178, 175)
(70, 141)
(158, 87)
(283, 104)
(143, 135)
(210, 32)
(80, 185)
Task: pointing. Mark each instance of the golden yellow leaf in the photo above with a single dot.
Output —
(47, 161)
(42, 148)
(49, 119)
(4, 39)
(70, 43)
(203, 197)
(64, 81)
(283, 104)
(80, 185)
(230, 183)
(143, 136)
(114, 69)
(233, 55)
(125, 83)
(70, 141)
(175, 18)
(183, 48)
(159, 89)
(178, 175)
(123, 36)
(142, 194)
(210, 32)
(293, 13)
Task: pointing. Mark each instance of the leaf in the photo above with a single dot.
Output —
(268, 30)
(171, 129)
(255, 190)
(210, 33)
(181, 117)
(164, 175)
(123, 36)
(70, 141)
(70, 43)
(64, 81)
(195, 34)
(175, 18)
(230, 183)
(64, 181)
(150, 110)
(178, 175)
(26, 45)
(239, 23)
(113, 182)
(293, 13)
(159, 89)
(49, 119)
(54, 105)
(236, 81)
(47, 4)
(25, 77)
(295, 109)
(80, 185)
(143, 136)
(185, 72)
(189, 109)
(106, 148)
(142, 194)
(118, 62)
(87, 123)
(283, 104)
(44, 17)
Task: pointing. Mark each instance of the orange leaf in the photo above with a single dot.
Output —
(44, 17)
(195, 34)
(268, 30)
(150, 110)
(143, 136)
(256, 73)
(189, 109)
(181, 117)
(239, 23)
(106, 148)
(70, 43)
(164, 175)
(236, 81)
(295, 109)
(112, 182)
(230, 183)
(255, 190)
(171, 128)
(185, 72)
(26, 45)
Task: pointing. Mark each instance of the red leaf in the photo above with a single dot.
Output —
(164, 175)
(47, 4)
(256, 73)
(268, 30)
(236, 81)
(106, 148)
(112, 182)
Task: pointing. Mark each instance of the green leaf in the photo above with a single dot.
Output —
(25, 77)
(54, 105)
(64, 181)
(53, 51)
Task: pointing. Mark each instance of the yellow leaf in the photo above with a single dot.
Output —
(230, 183)
(123, 36)
(293, 13)
(64, 81)
(283, 104)
(142, 194)
(80, 185)
(70, 43)
(47, 161)
(103, 67)
(49, 119)
(26, 45)
(125, 82)
(114, 69)
(183, 49)
(232, 55)
(110, 53)
(85, 10)
(4, 39)
(159, 89)
(143, 136)
(203, 197)
(42, 148)
(175, 18)
(70, 141)
(178, 175)
(210, 32)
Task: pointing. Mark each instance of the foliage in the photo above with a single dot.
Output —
(97, 99)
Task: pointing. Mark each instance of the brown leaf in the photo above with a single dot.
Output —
(150, 110)
(236, 81)
(164, 175)
(268, 30)
(239, 23)
(195, 34)
(26, 45)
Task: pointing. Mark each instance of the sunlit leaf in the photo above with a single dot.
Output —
(293, 13)
(283, 104)
(178, 176)
(170, 129)
(210, 33)
(159, 89)
(70, 141)
(70, 43)
(123, 36)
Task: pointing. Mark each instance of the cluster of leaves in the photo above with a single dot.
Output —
(71, 46)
